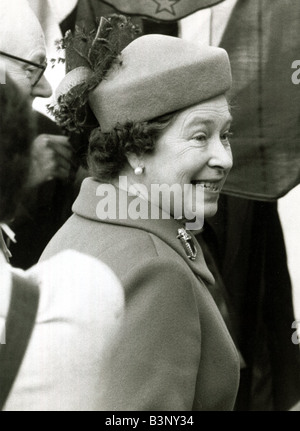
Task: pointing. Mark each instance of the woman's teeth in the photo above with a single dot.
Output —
(215, 187)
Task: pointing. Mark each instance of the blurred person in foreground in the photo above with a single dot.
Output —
(163, 119)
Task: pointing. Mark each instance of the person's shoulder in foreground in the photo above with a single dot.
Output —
(79, 313)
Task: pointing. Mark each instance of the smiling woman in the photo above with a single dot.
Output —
(163, 120)
(194, 149)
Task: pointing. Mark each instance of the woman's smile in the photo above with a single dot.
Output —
(212, 186)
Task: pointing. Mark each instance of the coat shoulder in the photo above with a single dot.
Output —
(110, 243)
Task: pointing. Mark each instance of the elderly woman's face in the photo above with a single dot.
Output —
(194, 150)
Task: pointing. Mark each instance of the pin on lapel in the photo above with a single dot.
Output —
(188, 243)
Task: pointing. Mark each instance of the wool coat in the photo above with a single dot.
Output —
(173, 351)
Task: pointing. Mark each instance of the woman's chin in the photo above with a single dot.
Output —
(210, 209)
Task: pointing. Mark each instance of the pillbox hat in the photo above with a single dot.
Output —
(158, 75)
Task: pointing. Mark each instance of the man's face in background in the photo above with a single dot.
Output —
(22, 36)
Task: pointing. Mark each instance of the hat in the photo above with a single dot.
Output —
(152, 76)
(158, 75)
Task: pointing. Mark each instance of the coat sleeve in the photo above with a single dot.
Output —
(154, 363)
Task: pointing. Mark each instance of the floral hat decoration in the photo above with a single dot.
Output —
(89, 57)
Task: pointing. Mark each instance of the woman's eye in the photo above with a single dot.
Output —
(200, 138)
(226, 136)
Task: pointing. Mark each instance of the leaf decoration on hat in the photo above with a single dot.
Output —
(97, 51)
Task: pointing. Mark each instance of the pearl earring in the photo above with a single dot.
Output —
(139, 170)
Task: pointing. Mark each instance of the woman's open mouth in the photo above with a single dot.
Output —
(211, 186)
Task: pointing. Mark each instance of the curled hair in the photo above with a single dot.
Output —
(107, 154)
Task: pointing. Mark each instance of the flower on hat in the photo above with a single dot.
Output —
(90, 56)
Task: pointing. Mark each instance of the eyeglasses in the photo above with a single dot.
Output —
(36, 74)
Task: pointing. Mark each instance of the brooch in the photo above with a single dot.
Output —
(188, 244)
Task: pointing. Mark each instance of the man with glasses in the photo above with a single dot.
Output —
(22, 46)
(34, 73)
(23, 56)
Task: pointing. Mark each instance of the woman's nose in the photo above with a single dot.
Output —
(221, 156)
(42, 88)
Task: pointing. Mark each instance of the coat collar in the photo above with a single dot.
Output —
(88, 201)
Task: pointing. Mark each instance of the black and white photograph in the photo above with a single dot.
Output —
(150, 208)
